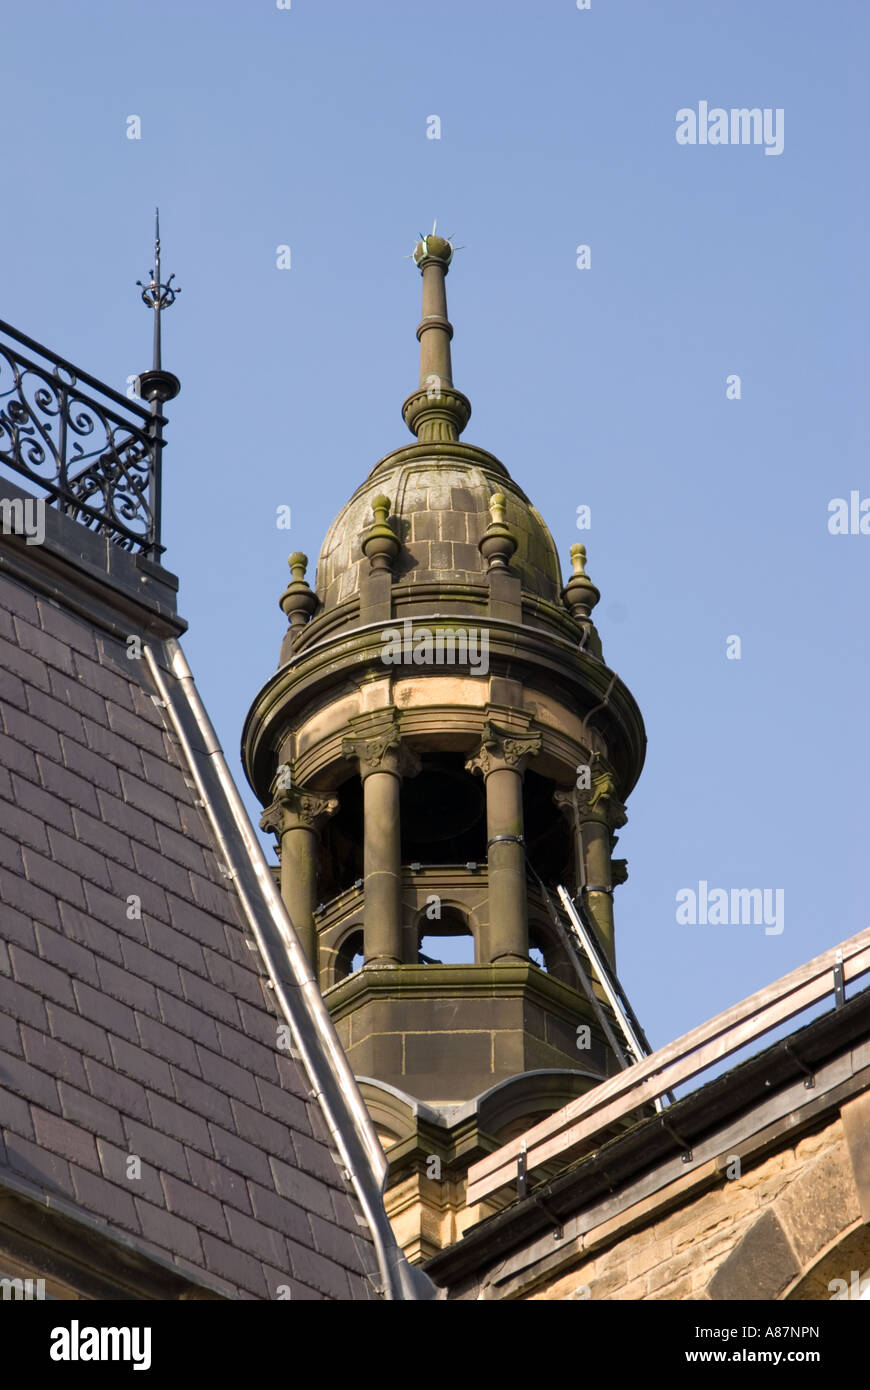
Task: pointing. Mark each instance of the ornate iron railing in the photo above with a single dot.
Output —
(92, 452)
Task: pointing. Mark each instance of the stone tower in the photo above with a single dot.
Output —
(442, 737)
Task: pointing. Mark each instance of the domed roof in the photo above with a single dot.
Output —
(439, 495)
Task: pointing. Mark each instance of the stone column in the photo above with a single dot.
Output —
(383, 761)
(595, 811)
(501, 761)
(295, 817)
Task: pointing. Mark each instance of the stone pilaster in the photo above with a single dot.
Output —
(383, 761)
(595, 812)
(501, 760)
(295, 817)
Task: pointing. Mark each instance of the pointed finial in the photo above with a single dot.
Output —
(380, 544)
(581, 596)
(158, 385)
(298, 599)
(436, 411)
(498, 542)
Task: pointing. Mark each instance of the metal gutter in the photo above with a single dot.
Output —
(299, 999)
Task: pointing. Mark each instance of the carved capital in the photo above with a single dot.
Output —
(596, 802)
(499, 749)
(382, 750)
(296, 809)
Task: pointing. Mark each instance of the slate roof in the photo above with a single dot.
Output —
(155, 1035)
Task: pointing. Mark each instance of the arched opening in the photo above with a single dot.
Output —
(446, 939)
(549, 955)
(443, 813)
(350, 956)
(341, 856)
(547, 832)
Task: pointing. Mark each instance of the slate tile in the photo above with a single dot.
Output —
(237, 1153)
(118, 751)
(25, 1004)
(30, 733)
(115, 1165)
(222, 1182)
(70, 788)
(195, 1206)
(316, 1158)
(83, 1109)
(268, 1134)
(215, 1002)
(58, 1136)
(15, 927)
(241, 1270)
(301, 1188)
(26, 896)
(134, 729)
(127, 820)
(342, 1246)
(39, 1165)
(71, 631)
(46, 806)
(149, 966)
(182, 850)
(142, 1066)
(206, 927)
(283, 1105)
(71, 691)
(105, 1011)
(10, 1037)
(171, 780)
(60, 882)
(126, 882)
(56, 1059)
(222, 1073)
(75, 1031)
(177, 1123)
(11, 859)
(165, 1155)
(19, 601)
(105, 1199)
(127, 988)
(232, 978)
(276, 1212)
(103, 837)
(254, 1237)
(113, 909)
(168, 942)
(168, 1231)
(43, 978)
(125, 1094)
(15, 1114)
(80, 927)
(12, 689)
(150, 800)
(161, 870)
(249, 1054)
(96, 676)
(43, 646)
(75, 961)
(320, 1273)
(200, 1098)
(165, 1042)
(54, 714)
(27, 829)
(23, 664)
(87, 764)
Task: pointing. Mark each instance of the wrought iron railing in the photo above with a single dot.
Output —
(92, 452)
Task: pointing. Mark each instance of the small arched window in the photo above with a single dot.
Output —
(350, 955)
(446, 939)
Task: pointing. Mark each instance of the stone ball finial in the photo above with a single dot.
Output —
(380, 543)
(298, 600)
(581, 594)
(498, 542)
(438, 247)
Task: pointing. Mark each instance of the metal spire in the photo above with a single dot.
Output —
(156, 295)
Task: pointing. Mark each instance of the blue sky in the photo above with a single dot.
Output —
(606, 387)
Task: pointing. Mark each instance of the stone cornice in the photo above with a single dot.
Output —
(320, 670)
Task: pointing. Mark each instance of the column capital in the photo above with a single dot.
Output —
(500, 749)
(593, 798)
(380, 748)
(295, 809)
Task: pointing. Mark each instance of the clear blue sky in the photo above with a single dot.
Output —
(606, 387)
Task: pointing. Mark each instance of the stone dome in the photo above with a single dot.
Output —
(439, 496)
